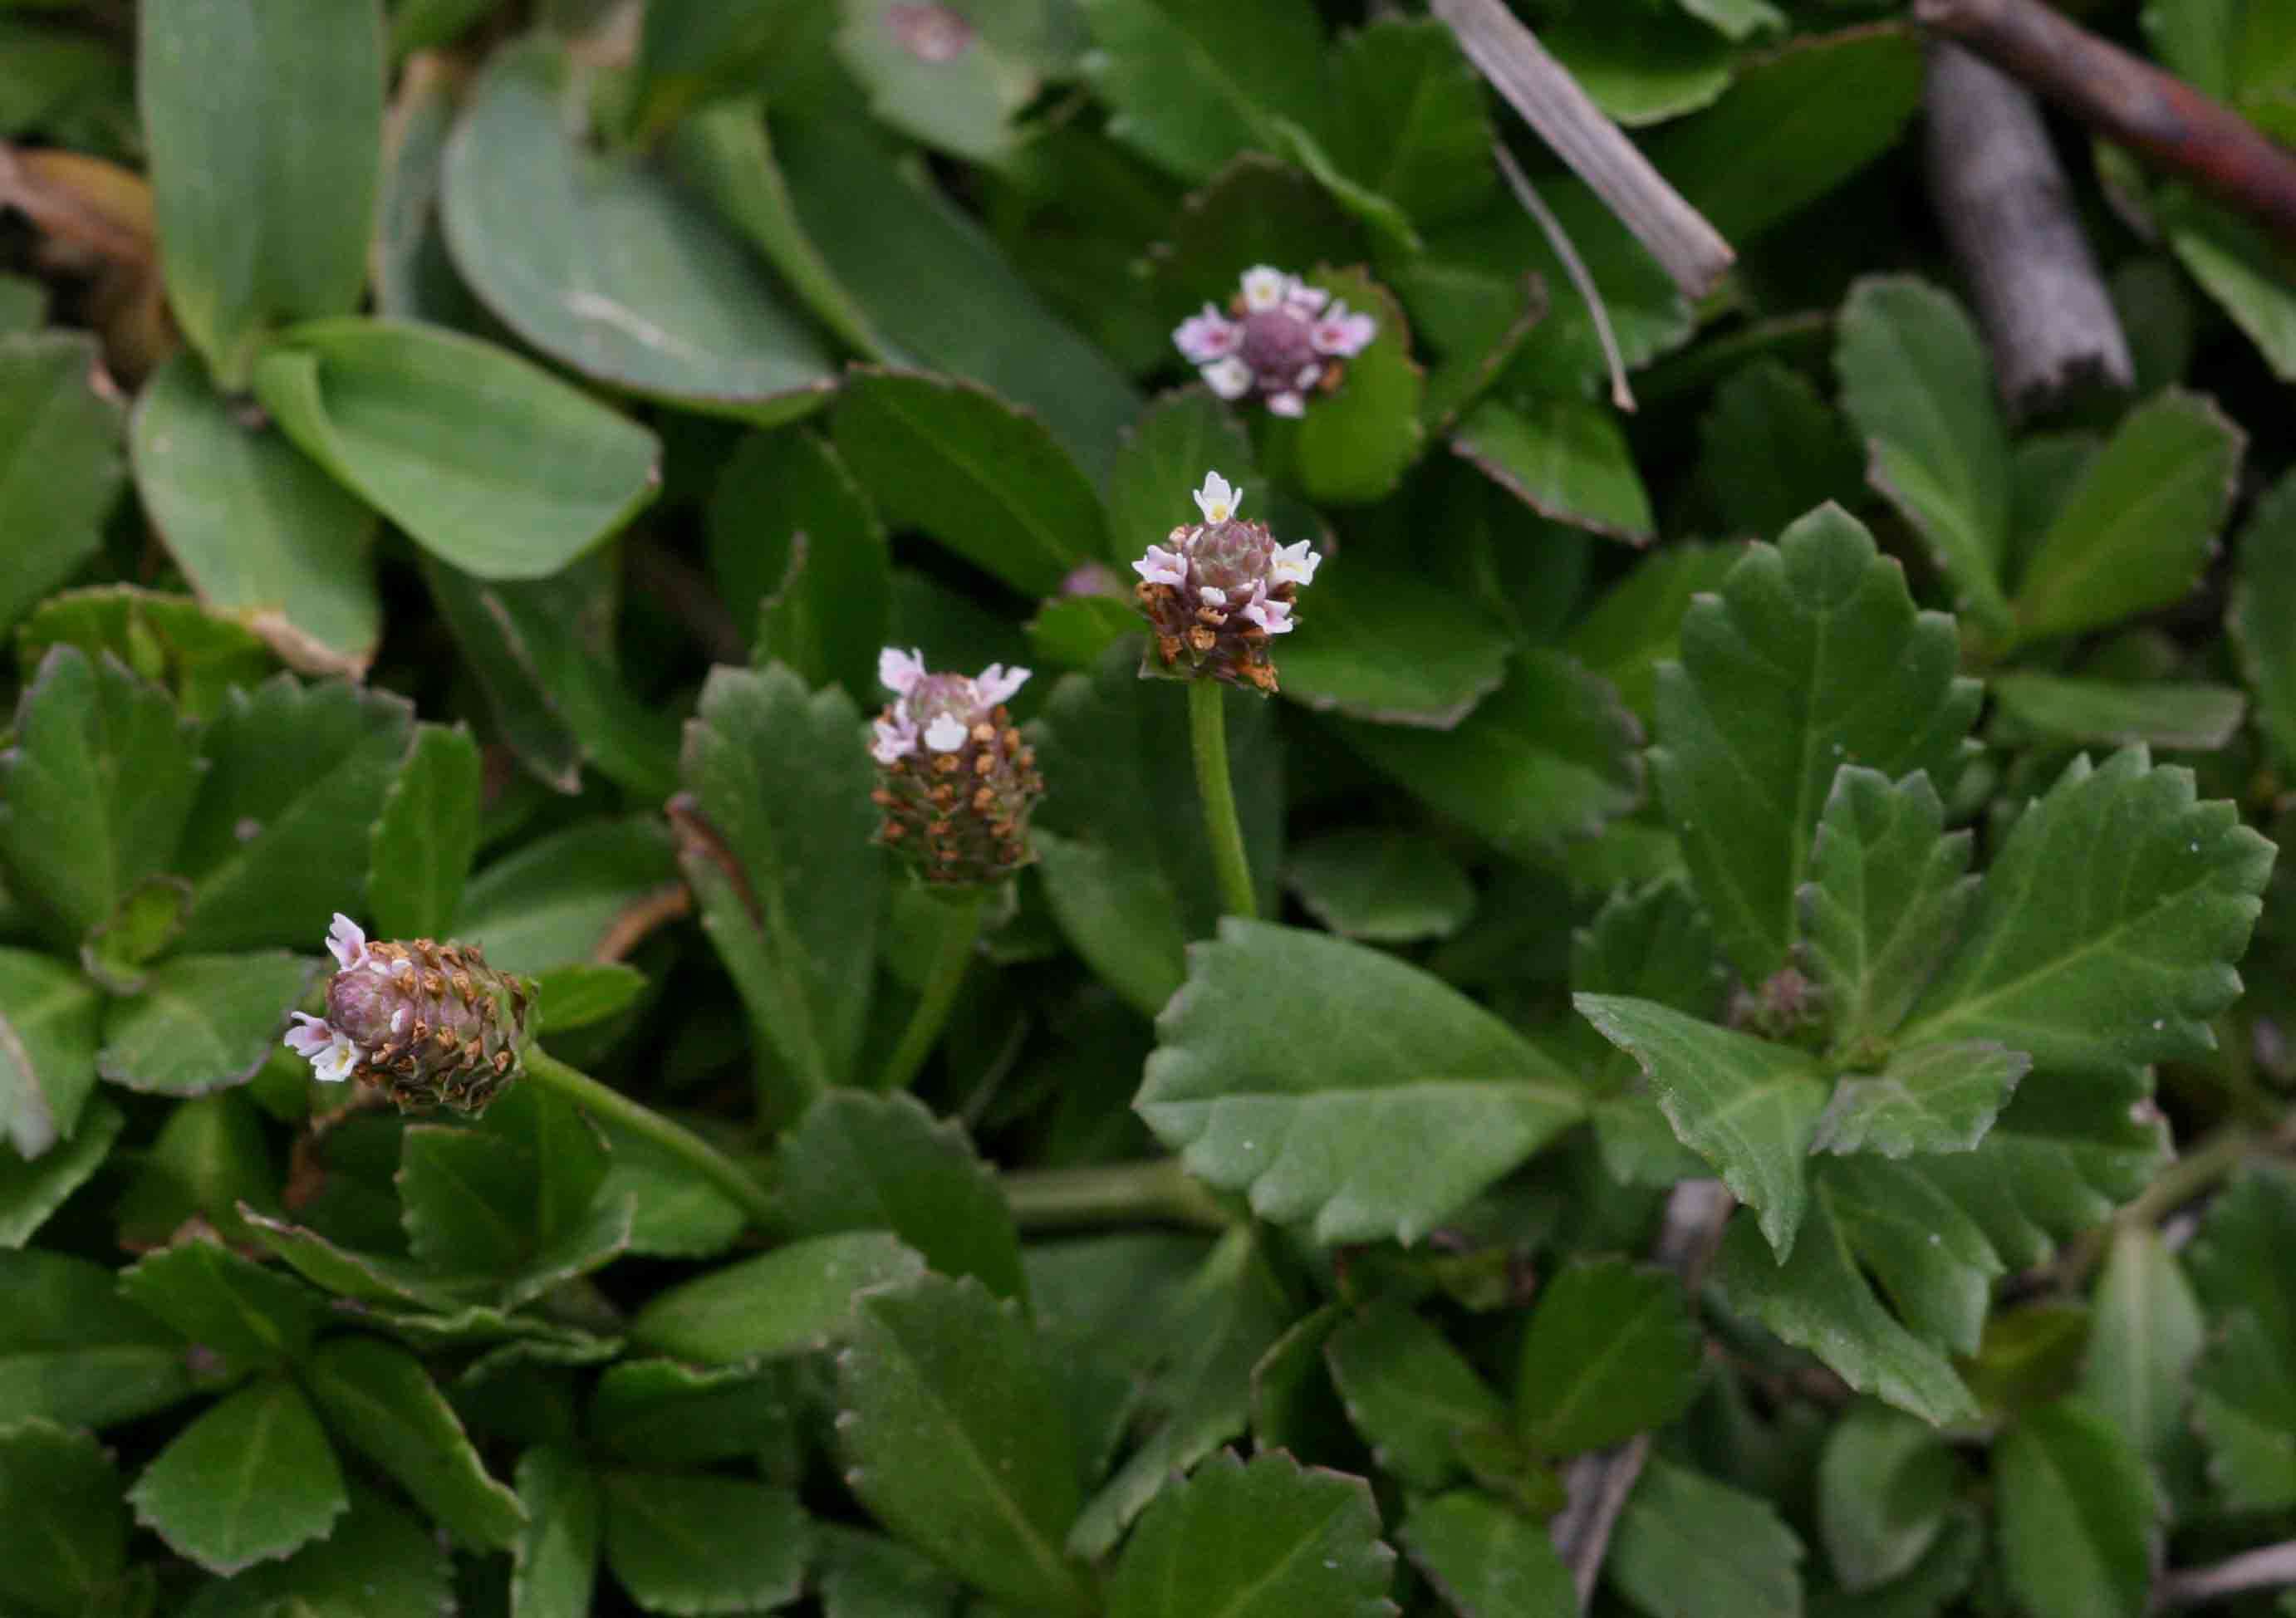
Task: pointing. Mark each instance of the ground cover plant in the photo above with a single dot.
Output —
(1146, 807)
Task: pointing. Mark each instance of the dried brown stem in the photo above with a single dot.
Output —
(1559, 239)
(2010, 216)
(2270, 1568)
(1691, 251)
(2128, 100)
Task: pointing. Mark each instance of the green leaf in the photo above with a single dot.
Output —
(1689, 1546)
(788, 881)
(1565, 459)
(555, 1561)
(169, 638)
(694, 1545)
(1354, 444)
(263, 536)
(419, 853)
(1916, 381)
(1796, 122)
(386, 1407)
(1769, 447)
(2263, 601)
(1819, 1299)
(29, 1192)
(1179, 438)
(75, 1352)
(485, 460)
(148, 920)
(2135, 531)
(1885, 1488)
(694, 49)
(263, 118)
(2111, 713)
(964, 104)
(60, 1497)
(553, 901)
(1746, 1106)
(1409, 1394)
(1551, 755)
(582, 993)
(1642, 64)
(1811, 657)
(380, 1561)
(1612, 1351)
(1299, 1068)
(250, 1481)
(2079, 1516)
(1927, 1098)
(866, 1575)
(1486, 1559)
(2244, 1406)
(882, 1162)
(1381, 888)
(1391, 646)
(1191, 82)
(250, 1315)
(986, 479)
(1885, 899)
(1256, 1540)
(202, 1022)
(211, 1156)
(1120, 914)
(2147, 1333)
(665, 1413)
(296, 775)
(94, 790)
(62, 472)
(957, 1441)
(49, 1021)
(1637, 625)
(791, 1301)
(2239, 1261)
(2105, 933)
(1410, 121)
(596, 259)
(2240, 266)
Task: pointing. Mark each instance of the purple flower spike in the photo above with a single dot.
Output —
(1218, 590)
(954, 780)
(1280, 339)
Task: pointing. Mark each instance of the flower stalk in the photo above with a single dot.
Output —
(611, 1107)
(961, 917)
(1208, 740)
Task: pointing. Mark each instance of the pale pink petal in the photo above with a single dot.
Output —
(945, 734)
(1289, 403)
(1272, 616)
(335, 1065)
(894, 739)
(997, 683)
(346, 942)
(1230, 378)
(1206, 336)
(1264, 286)
(309, 1036)
(1309, 375)
(1343, 334)
(899, 670)
(1302, 299)
(1162, 567)
(1212, 595)
(1295, 564)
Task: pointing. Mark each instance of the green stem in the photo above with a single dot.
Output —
(2211, 1159)
(1208, 740)
(618, 1109)
(960, 930)
(1158, 1191)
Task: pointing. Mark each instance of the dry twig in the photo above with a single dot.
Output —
(2270, 1568)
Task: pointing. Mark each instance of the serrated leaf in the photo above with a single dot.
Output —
(94, 790)
(1565, 459)
(1256, 1540)
(2135, 532)
(1295, 1066)
(2244, 1406)
(60, 1497)
(484, 458)
(1916, 381)
(791, 1301)
(665, 1413)
(2263, 603)
(168, 637)
(2081, 1527)
(62, 472)
(1637, 625)
(789, 883)
(1192, 82)
(235, 1308)
(371, 1277)
(1811, 657)
(74, 1352)
(295, 777)
(420, 852)
(385, 1405)
(50, 1023)
(1747, 1105)
(986, 479)
(1409, 1394)
(1926, 1098)
(2105, 931)
(882, 1162)
(701, 1545)
(1688, 1546)
(250, 1481)
(29, 1192)
(1383, 887)
(1885, 1487)
(202, 1022)
(2147, 1333)
(265, 122)
(380, 1561)
(1611, 1351)
(555, 1561)
(1486, 1559)
(955, 1440)
(1818, 1300)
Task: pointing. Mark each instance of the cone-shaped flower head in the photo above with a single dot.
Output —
(1218, 590)
(1281, 339)
(954, 778)
(432, 1023)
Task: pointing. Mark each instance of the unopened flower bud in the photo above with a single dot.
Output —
(1281, 339)
(954, 780)
(432, 1024)
(1218, 590)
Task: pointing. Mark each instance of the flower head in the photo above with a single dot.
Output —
(432, 1023)
(954, 780)
(1280, 338)
(1220, 590)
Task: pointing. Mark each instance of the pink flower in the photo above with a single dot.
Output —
(1217, 591)
(1343, 334)
(346, 942)
(1281, 339)
(1206, 336)
(892, 739)
(899, 670)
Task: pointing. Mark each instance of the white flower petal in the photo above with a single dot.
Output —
(1216, 500)
(1272, 615)
(334, 1063)
(1206, 337)
(1264, 286)
(346, 942)
(1309, 375)
(1230, 378)
(309, 1036)
(398, 1020)
(1212, 595)
(1287, 404)
(945, 734)
(1162, 567)
(1302, 299)
(1295, 564)
(997, 683)
(893, 740)
(1341, 333)
(899, 670)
